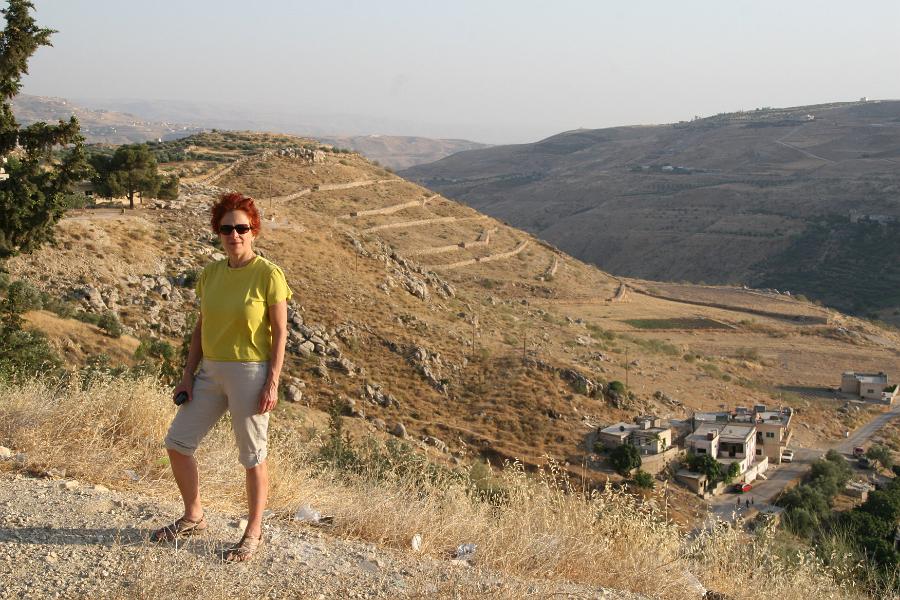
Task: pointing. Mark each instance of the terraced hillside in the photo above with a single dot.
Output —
(781, 198)
(473, 335)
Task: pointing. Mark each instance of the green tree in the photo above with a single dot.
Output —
(624, 459)
(23, 353)
(733, 471)
(168, 189)
(132, 170)
(881, 454)
(32, 198)
(706, 464)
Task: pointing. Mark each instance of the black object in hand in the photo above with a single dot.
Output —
(181, 398)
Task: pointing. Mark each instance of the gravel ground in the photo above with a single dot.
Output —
(67, 539)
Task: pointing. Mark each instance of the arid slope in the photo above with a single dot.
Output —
(487, 339)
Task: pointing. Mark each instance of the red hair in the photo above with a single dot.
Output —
(235, 201)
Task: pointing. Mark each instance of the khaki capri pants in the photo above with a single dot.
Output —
(220, 386)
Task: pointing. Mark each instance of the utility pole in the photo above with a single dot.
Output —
(524, 341)
(626, 366)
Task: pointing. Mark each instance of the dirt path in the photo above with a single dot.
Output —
(483, 259)
(65, 539)
(389, 210)
(800, 150)
(421, 222)
(328, 187)
(217, 174)
(484, 239)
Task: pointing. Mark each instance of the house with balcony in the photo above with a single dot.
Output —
(729, 442)
(773, 427)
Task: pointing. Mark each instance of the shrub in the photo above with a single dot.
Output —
(110, 324)
(624, 459)
(158, 357)
(598, 447)
(59, 307)
(21, 297)
(616, 387)
(733, 471)
(25, 354)
(643, 479)
(882, 454)
(190, 278)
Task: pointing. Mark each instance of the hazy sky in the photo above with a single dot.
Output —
(490, 71)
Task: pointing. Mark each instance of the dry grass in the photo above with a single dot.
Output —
(540, 531)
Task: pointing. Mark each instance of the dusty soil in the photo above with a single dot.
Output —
(68, 539)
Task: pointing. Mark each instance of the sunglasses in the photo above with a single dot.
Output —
(227, 229)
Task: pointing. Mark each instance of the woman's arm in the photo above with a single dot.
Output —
(195, 353)
(278, 322)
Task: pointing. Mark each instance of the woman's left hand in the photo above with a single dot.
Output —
(268, 398)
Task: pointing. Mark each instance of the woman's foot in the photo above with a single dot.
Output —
(181, 528)
(243, 550)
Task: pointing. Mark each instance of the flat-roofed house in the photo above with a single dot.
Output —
(650, 437)
(646, 433)
(773, 433)
(616, 434)
(868, 386)
(705, 440)
(730, 442)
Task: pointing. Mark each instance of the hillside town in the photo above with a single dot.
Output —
(748, 442)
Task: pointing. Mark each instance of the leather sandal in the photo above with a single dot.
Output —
(243, 550)
(181, 528)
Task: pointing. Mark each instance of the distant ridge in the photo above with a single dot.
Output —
(761, 197)
(98, 126)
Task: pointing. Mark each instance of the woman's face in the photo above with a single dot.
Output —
(235, 243)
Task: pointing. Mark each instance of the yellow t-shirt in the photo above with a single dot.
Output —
(234, 309)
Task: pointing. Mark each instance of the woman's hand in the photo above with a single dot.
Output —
(268, 398)
(185, 385)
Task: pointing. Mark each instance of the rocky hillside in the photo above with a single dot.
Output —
(436, 323)
(805, 199)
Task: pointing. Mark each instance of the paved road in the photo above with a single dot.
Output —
(862, 434)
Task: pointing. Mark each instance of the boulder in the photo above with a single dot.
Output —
(436, 443)
(292, 393)
(398, 429)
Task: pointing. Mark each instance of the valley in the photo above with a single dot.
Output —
(791, 199)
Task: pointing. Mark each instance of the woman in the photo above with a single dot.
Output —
(238, 345)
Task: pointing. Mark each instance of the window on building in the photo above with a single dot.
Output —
(759, 451)
(770, 434)
(701, 450)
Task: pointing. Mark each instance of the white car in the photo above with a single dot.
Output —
(787, 456)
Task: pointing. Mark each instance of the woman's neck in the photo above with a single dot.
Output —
(236, 262)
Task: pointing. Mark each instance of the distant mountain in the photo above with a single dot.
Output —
(97, 125)
(401, 152)
(804, 198)
(394, 151)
